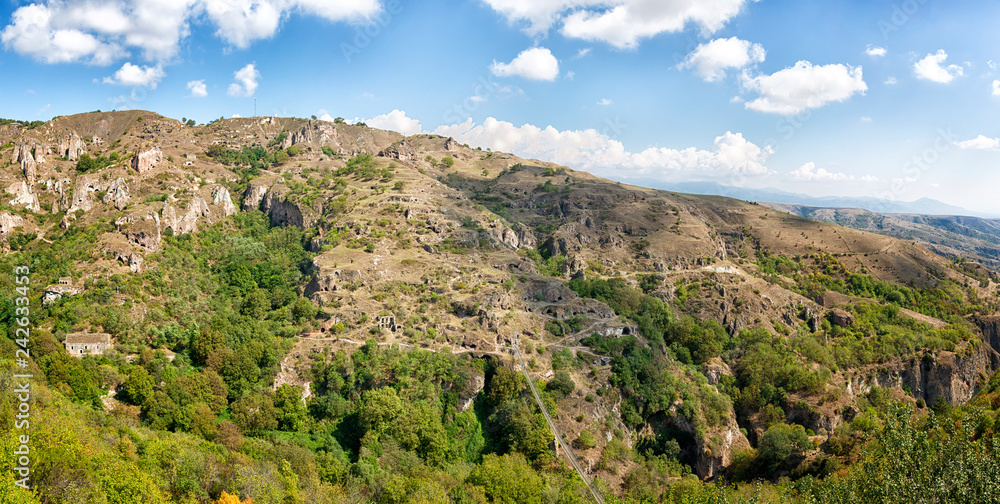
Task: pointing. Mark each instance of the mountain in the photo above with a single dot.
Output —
(925, 206)
(955, 237)
(304, 311)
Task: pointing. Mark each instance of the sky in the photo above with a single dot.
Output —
(889, 99)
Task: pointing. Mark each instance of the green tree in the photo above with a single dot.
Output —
(780, 443)
(291, 413)
(504, 386)
(508, 479)
(447, 162)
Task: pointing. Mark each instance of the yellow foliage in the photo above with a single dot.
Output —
(228, 498)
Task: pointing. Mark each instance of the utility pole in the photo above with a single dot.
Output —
(255, 107)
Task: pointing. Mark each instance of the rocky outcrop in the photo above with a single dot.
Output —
(221, 197)
(287, 213)
(71, 146)
(8, 222)
(499, 233)
(147, 160)
(186, 222)
(117, 194)
(141, 230)
(452, 145)
(29, 169)
(842, 318)
(23, 196)
(253, 197)
(81, 193)
(402, 151)
(525, 236)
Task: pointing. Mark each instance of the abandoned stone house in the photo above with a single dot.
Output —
(80, 344)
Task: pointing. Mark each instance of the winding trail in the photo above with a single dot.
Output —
(552, 425)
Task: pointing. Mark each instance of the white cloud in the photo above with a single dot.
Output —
(808, 173)
(477, 99)
(246, 84)
(891, 81)
(536, 63)
(582, 52)
(996, 88)
(866, 119)
(710, 60)
(981, 142)
(102, 31)
(235, 116)
(396, 121)
(930, 68)
(802, 87)
(604, 102)
(621, 23)
(198, 88)
(596, 152)
(135, 75)
(875, 51)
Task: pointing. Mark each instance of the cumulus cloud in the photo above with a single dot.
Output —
(875, 51)
(996, 88)
(712, 59)
(595, 151)
(102, 31)
(802, 87)
(621, 23)
(198, 88)
(135, 75)
(808, 172)
(891, 81)
(981, 142)
(931, 68)
(246, 81)
(396, 121)
(536, 63)
(604, 102)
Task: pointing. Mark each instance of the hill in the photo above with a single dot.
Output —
(956, 237)
(320, 312)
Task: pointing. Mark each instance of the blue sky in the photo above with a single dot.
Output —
(892, 99)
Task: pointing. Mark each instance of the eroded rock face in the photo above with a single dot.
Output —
(221, 197)
(85, 185)
(401, 151)
(147, 160)
(117, 194)
(71, 146)
(29, 169)
(186, 222)
(841, 318)
(8, 222)
(141, 230)
(287, 213)
(253, 197)
(23, 196)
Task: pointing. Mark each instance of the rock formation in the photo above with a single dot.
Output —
(147, 160)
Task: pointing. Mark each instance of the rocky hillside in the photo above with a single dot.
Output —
(953, 236)
(744, 316)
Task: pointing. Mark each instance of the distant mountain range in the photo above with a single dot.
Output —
(924, 206)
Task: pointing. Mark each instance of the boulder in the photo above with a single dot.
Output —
(841, 318)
